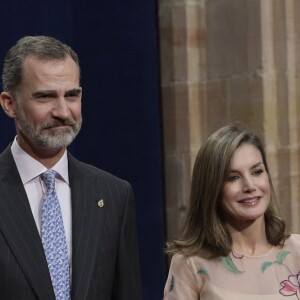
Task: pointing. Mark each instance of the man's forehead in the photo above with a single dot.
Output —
(50, 67)
(35, 61)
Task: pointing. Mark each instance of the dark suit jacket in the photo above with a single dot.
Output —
(105, 256)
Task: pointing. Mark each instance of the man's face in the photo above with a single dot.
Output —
(48, 104)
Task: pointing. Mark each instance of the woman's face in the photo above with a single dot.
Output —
(246, 193)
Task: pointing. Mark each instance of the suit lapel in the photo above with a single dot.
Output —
(19, 229)
(87, 221)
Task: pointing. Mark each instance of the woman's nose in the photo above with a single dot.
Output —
(248, 185)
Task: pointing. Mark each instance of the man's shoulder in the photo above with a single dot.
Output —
(5, 153)
(6, 159)
(90, 170)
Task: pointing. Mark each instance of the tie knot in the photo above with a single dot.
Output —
(49, 178)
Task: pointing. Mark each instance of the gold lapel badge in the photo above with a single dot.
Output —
(101, 203)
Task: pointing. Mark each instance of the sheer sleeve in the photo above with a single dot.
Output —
(183, 281)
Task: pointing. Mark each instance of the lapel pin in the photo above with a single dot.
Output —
(101, 203)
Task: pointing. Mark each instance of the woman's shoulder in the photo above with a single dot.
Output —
(292, 242)
(180, 259)
(184, 281)
(192, 262)
(183, 258)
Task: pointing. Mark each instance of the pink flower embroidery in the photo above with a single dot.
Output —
(291, 286)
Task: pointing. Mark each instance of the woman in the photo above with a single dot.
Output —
(233, 245)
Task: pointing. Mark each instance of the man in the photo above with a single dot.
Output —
(74, 239)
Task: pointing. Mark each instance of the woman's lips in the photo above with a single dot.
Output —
(250, 201)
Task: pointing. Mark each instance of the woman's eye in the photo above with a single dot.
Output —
(232, 178)
(257, 172)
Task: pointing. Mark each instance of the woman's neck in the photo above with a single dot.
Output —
(250, 240)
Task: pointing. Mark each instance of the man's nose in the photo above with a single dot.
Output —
(60, 109)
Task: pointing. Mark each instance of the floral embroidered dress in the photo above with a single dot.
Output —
(274, 275)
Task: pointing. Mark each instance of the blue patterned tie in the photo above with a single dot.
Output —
(54, 239)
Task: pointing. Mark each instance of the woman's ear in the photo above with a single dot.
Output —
(8, 104)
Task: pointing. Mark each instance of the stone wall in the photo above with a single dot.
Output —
(226, 60)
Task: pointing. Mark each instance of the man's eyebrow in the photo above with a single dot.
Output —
(39, 94)
(75, 91)
(72, 92)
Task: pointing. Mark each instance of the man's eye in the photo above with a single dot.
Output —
(45, 96)
(72, 96)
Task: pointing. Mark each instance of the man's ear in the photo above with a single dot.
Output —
(8, 104)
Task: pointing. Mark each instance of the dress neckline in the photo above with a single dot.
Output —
(240, 255)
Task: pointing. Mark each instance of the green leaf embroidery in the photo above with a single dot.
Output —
(281, 256)
(266, 265)
(230, 265)
(202, 271)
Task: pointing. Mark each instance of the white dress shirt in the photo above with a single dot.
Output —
(30, 170)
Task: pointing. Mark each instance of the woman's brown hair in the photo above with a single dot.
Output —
(204, 231)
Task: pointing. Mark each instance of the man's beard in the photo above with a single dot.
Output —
(42, 136)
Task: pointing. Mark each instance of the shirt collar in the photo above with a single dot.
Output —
(29, 168)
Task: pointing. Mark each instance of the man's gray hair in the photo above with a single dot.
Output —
(42, 47)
